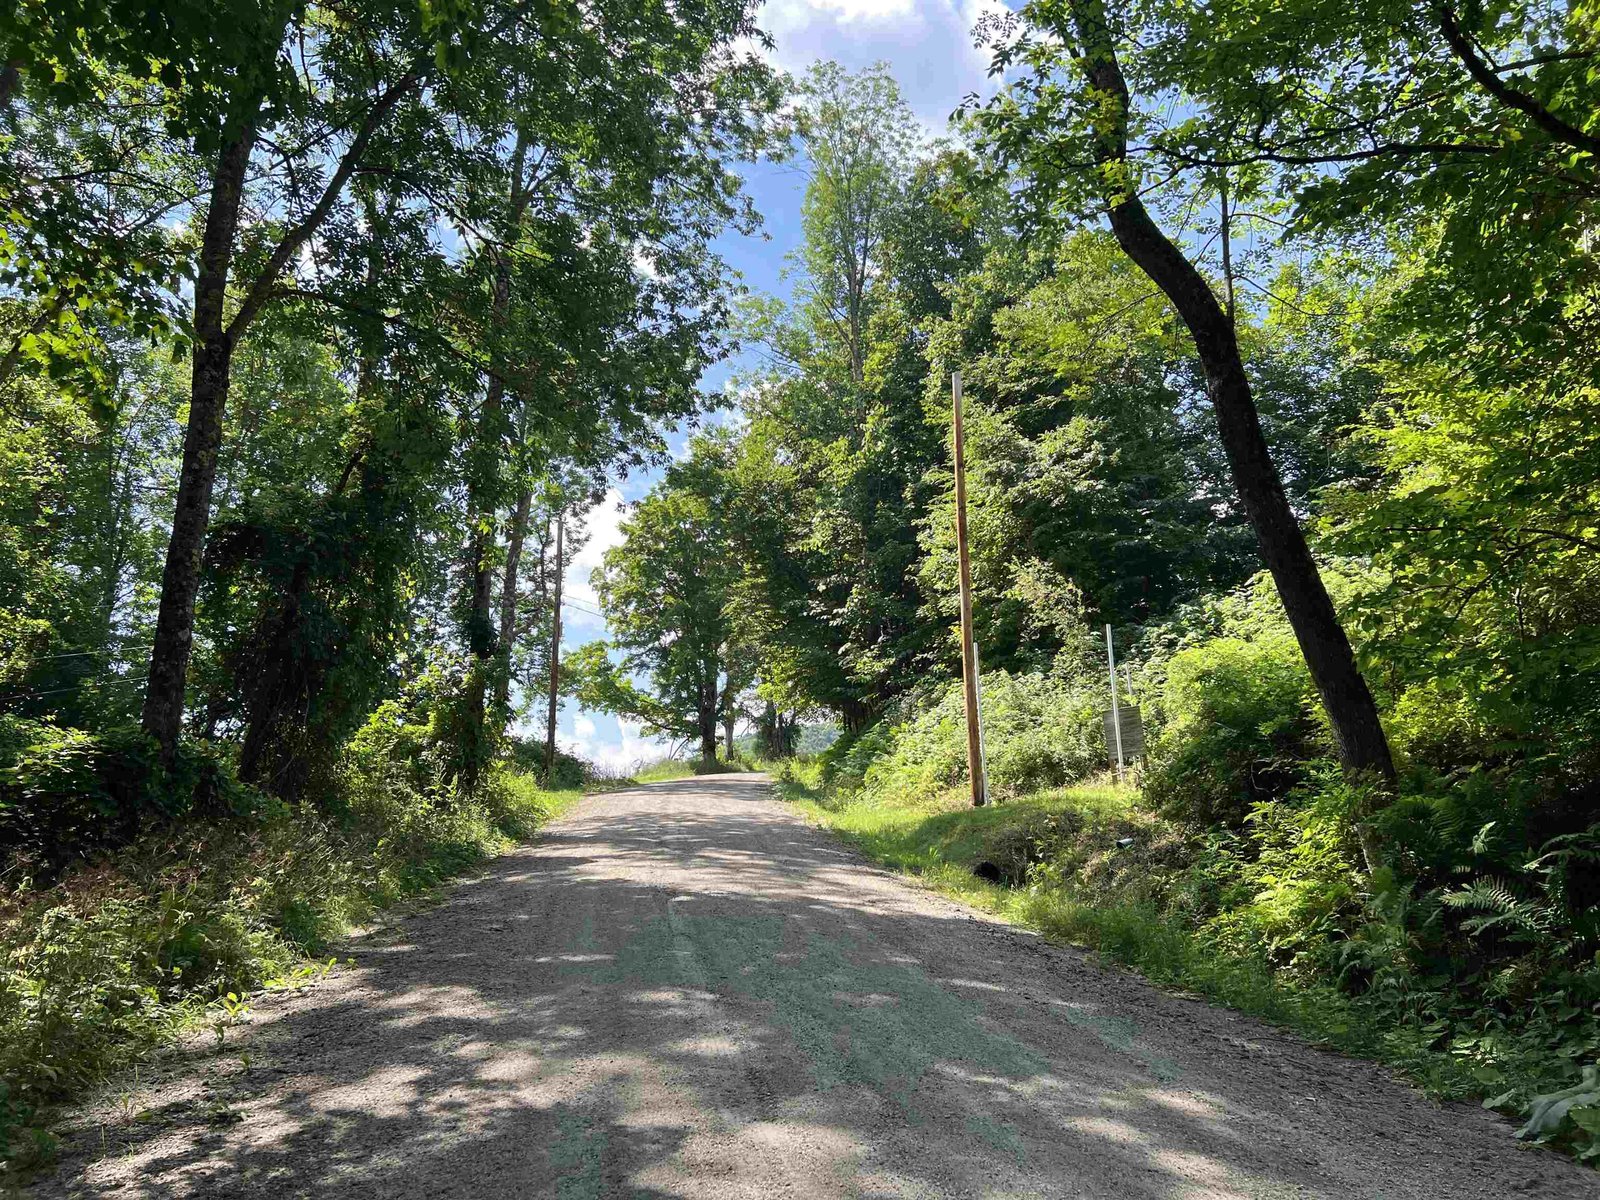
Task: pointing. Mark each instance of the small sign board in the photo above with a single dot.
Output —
(1132, 733)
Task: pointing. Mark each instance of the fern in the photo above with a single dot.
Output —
(1535, 910)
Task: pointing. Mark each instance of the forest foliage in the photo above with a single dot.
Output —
(1361, 237)
(1277, 326)
(318, 324)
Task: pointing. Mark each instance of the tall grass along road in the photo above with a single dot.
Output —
(686, 990)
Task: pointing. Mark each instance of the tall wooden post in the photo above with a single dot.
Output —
(969, 658)
(555, 659)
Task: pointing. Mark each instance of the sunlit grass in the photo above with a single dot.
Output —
(664, 770)
(945, 830)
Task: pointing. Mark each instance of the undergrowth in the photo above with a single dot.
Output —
(127, 951)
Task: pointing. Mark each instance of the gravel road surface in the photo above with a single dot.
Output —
(684, 990)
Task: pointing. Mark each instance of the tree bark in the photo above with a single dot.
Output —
(516, 537)
(10, 80)
(480, 630)
(214, 343)
(767, 735)
(213, 354)
(482, 504)
(1363, 748)
(709, 708)
(555, 656)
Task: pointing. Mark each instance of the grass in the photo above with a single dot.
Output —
(175, 932)
(939, 840)
(664, 770)
(945, 832)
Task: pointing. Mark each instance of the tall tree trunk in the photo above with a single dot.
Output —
(10, 80)
(481, 644)
(516, 537)
(555, 655)
(214, 343)
(213, 354)
(1363, 747)
(277, 698)
(482, 504)
(767, 730)
(708, 707)
(855, 715)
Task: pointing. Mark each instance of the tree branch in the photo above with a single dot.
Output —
(1487, 76)
(261, 289)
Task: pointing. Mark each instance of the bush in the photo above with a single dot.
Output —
(1041, 730)
(121, 953)
(1237, 729)
(1471, 957)
(526, 756)
(66, 793)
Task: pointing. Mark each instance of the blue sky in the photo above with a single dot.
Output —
(928, 46)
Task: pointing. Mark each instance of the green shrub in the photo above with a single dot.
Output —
(845, 762)
(1471, 957)
(1041, 730)
(1239, 728)
(526, 756)
(66, 793)
(121, 953)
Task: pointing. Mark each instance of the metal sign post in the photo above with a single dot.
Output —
(983, 748)
(1116, 716)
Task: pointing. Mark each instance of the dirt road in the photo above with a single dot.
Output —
(684, 990)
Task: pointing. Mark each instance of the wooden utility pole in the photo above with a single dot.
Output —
(969, 657)
(555, 659)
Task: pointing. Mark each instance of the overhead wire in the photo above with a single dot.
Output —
(109, 681)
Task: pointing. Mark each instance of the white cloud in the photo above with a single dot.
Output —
(800, 12)
(928, 45)
(582, 726)
(604, 526)
(644, 264)
(618, 754)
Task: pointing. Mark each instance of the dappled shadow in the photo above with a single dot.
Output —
(682, 990)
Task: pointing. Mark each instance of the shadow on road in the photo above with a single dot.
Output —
(682, 990)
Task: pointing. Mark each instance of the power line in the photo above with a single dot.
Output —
(111, 681)
(82, 653)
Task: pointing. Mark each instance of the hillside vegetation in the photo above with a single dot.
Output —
(1226, 866)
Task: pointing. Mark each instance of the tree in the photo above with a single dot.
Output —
(1089, 472)
(479, 121)
(839, 445)
(1077, 140)
(366, 90)
(595, 289)
(666, 593)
